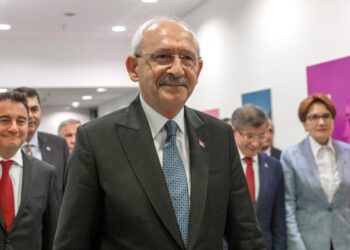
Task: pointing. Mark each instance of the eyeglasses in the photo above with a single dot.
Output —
(316, 118)
(252, 137)
(166, 59)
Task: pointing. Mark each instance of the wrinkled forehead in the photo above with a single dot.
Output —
(253, 130)
(168, 35)
(167, 24)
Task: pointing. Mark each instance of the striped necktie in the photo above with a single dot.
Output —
(28, 149)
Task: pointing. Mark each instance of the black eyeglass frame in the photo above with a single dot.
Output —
(166, 59)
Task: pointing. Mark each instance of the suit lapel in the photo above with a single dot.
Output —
(264, 179)
(26, 186)
(199, 164)
(135, 136)
(343, 171)
(310, 174)
(45, 148)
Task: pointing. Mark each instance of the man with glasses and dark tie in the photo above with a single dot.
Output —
(264, 174)
(157, 174)
(28, 196)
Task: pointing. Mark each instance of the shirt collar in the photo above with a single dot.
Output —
(242, 156)
(34, 141)
(17, 158)
(156, 121)
(315, 146)
(267, 151)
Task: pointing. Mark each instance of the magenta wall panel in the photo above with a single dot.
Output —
(333, 78)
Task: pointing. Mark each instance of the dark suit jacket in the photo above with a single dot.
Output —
(270, 207)
(276, 153)
(36, 219)
(54, 150)
(116, 195)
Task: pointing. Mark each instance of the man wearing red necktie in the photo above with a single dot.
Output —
(28, 196)
(263, 173)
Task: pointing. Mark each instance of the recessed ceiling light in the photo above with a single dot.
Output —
(5, 27)
(70, 14)
(86, 97)
(3, 90)
(101, 90)
(118, 28)
(149, 1)
(75, 104)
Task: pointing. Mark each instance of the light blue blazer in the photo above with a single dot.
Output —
(312, 222)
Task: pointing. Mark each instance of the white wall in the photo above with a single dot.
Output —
(250, 45)
(63, 60)
(116, 104)
(52, 117)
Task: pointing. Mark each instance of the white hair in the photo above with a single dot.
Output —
(67, 122)
(137, 38)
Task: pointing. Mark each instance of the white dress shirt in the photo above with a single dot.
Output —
(256, 172)
(16, 175)
(267, 151)
(156, 122)
(325, 159)
(34, 142)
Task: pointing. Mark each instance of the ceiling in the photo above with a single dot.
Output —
(64, 97)
(86, 17)
(91, 16)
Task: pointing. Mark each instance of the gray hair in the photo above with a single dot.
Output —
(67, 122)
(137, 38)
(248, 115)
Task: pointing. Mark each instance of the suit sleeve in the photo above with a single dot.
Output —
(51, 214)
(79, 220)
(279, 213)
(294, 240)
(65, 170)
(242, 230)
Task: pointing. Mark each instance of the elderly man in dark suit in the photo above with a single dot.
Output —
(28, 196)
(157, 175)
(47, 147)
(264, 174)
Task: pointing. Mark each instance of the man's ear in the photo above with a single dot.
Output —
(199, 67)
(132, 67)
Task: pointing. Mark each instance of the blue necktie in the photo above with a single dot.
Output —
(175, 176)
